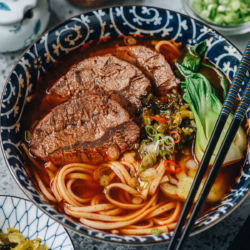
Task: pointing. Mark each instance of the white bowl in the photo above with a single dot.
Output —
(19, 28)
(32, 223)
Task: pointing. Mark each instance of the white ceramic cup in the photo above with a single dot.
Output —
(22, 22)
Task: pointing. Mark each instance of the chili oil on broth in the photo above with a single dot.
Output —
(42, 103)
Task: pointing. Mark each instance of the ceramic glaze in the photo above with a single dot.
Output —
(22, 22)
(32, 223)
(75, 32)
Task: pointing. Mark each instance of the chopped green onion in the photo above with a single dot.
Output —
(150, 128)
(191, 164)
(140, 170)
(144, 186)
(113, 153)
(141, 147)
(147, 161)
(197, 7)
(247, 19)
(156, 231)
(165, 151)
(222, 8)
(153, 148)
(104, 180)
(224, 1)
(159, 136)
(205, 14)
(235, 5)
(27, 135)
(223, 12)
(170, 144)
(106, 191)
(148, 174)
(231, 18)
(212, 8)
(219, 19)
(209, 1)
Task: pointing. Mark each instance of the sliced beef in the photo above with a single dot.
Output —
(83, 129)
(103, 73)
(153, 64)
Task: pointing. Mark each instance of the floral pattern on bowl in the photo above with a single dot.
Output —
(77, 31)
(32, 223)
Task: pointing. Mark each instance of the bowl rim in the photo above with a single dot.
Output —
(61, 222)
(215, 24)
(24, 199)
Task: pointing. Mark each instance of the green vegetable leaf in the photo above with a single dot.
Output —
(183, 70)
(192, 58)
(199, 48)
(206, 108)
(223, 81)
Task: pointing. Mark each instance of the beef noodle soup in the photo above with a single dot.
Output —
(115, 131)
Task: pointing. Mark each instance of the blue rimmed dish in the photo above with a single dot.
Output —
(99, 24)
(32, 223)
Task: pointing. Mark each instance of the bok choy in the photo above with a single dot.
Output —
(190, 62)
(192, 58)
(206, 107)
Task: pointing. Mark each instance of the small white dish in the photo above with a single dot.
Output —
(22, 22)
(32, 223)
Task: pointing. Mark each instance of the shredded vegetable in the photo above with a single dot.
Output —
(15, 240)
(159, 119)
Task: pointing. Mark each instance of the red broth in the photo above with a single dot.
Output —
(42, 103)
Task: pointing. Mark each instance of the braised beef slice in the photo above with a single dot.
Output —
(103, 73)
(82, 129)
(153, 64)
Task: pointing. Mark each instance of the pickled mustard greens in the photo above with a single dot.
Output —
(14, 240)
(164, 115)
(223, 12)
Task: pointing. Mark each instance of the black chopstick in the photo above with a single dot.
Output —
(227, 106)
(229, 137)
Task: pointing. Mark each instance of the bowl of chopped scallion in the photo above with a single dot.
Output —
(230, 17)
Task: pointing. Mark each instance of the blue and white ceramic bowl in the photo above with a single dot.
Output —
(82, 29)
(32, 223)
